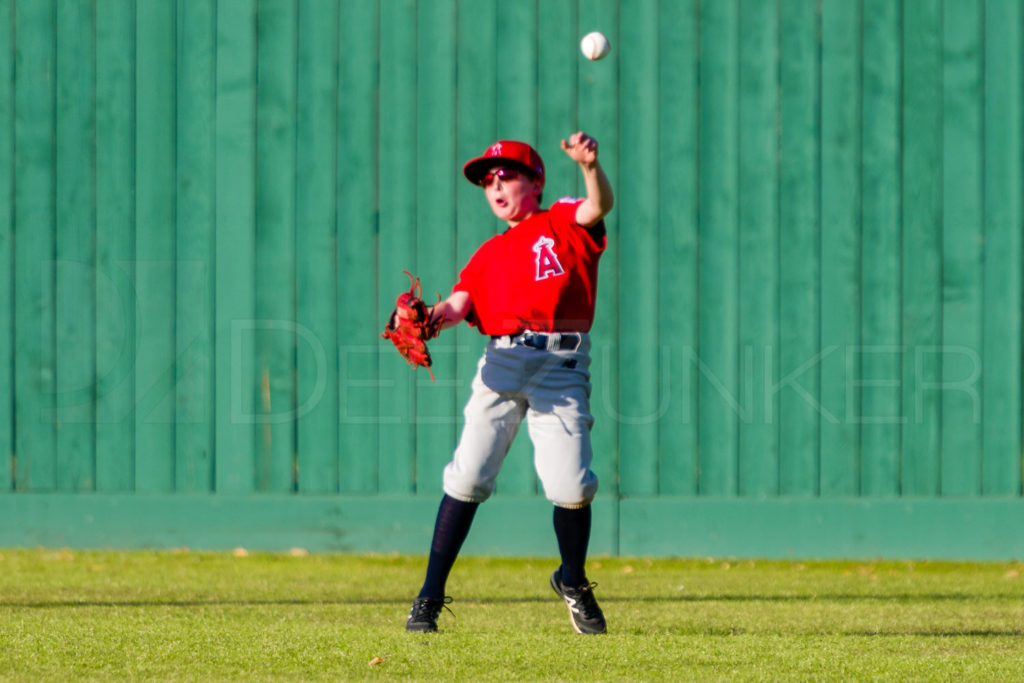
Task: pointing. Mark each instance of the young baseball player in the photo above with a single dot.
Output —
(532, 290)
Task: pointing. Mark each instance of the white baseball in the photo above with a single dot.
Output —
(594, 45)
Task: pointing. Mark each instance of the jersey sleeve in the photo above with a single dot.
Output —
(564, 211)
(467, 283)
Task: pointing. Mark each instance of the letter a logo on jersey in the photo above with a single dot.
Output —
(547, 260)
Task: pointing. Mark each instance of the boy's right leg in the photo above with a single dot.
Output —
(454, 518)
(492, 419)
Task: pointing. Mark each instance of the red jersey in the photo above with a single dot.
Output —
(539, 275)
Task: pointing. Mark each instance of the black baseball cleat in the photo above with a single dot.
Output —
(584, 612)
(424, 613)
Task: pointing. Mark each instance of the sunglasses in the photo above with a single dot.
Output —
(502, 174)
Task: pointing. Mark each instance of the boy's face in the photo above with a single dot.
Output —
(512, 194)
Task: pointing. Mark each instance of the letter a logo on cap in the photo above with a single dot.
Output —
(547, 260)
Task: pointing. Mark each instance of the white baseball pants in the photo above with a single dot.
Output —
(551, 389)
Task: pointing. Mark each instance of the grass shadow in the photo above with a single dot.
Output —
(487, 600)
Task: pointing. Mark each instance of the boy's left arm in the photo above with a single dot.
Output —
(582, 149)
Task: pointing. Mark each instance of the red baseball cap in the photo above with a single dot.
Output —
(508, 152)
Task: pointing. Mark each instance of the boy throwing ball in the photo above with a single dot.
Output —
(531, 289)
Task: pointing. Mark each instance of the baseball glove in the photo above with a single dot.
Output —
(410, 326)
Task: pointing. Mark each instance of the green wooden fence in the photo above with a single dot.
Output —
(810, 314)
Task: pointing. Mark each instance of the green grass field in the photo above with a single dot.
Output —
(189, 615)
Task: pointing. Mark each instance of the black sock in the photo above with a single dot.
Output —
(454, 518)
(572, 528)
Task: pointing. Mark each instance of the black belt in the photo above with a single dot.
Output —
(545, 341)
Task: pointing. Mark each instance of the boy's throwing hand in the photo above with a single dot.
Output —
(581, 148)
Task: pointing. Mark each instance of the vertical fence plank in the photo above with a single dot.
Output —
(721, 407)
(75, 269)
(358, 318)
(236, 382)
(758, 243)
(1003, 254)
(962, 234)
(638, 405)
(517, 89)
(34, 352)
(115, 289)
(154, 247)
(277, 46)
(476, 113)
(558, 69)
(678, 182)
(436, 176)
(517, 120)
(317, 224)
(879, 411)
(599, 86)
(195, 216)
(795, 382)
(921, 251)
(6, 245)
(840, 246)
(397, 181)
